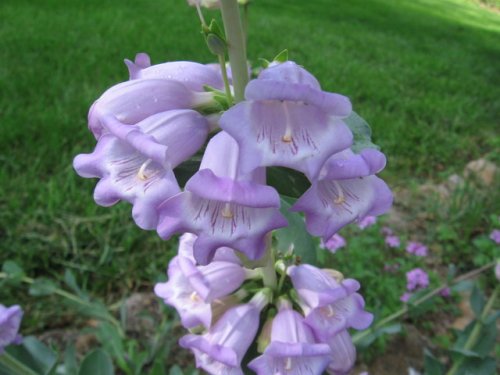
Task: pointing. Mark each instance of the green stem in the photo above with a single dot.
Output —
(476, 331)
(14, 366)
(222, 63)
(236, 47)
(268, 272)
(359, 336)
(71, 297)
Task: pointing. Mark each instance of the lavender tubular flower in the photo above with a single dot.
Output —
(191, 74)
(288, 121)
(330, 306)
(343, 354)
(135, 162)
(293, 350)
(220, 209)
(334, 243)
(133, 101)
(416, 279)
(220, 350)
(346, 191)
(223, 254)
(10, 321)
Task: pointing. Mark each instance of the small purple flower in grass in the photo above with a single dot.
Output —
(220, 350)
(334, 243)
(405, 297)
(191, 289)
(417, 279)
(222, 208)
(392, 241)
(330, 306)
(135, 162)
(288, 121)
(343, 354)
(386, 231)
(191, 74)
(416, 248)
(495, 236)
(10, 321)
(445, 292)
(136, 100)
(346, 191)
(366, 222)
(293, 349)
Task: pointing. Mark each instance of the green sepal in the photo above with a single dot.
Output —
(361, 132)
(215, 39)
(281, 57)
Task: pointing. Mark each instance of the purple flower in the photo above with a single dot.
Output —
(343, 354)
(330, 306)
(405, 297)
(346, 191)
(445, 292)
(293, 349)
(386, 231)
(10, 321)
(224, 254)
(135, 162)
(288, 121)
(191, 289)
(136, 100)
(366, 222)
(191, 74)
(222, 207)
(495, 236)
(417, 248)
(417, 279)
(334, 243)
(221, 349)
(392, 241)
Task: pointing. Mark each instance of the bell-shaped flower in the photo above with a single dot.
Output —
(346, 191)
(343, 354)
(191, 289)
(330, 306)
(191, 74)
(135, 100)
(288, 121)
(10, 321)
(222, 348)
(223, 254)
(222, 207)
(293, 349)
(135, 162)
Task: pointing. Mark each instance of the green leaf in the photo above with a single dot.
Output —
(432, 365)
(70, 280)
(477, 301)
(97, 362)
(14, 272)
(475, 366)
(361, 131)
(281, 57)
(287, 181)
(110, 339)
(295, 236)
(70, 362)
(466, 353)
(42, 287)
(35, 355)
(175, 370)
(370, 338)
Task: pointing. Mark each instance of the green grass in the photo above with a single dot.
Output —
(423, 73)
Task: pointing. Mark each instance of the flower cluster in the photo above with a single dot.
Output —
(10, 321)
(161, 117)
(416, 248)
(306, 328)
(148, 126)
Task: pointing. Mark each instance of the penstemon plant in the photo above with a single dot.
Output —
(248, 300)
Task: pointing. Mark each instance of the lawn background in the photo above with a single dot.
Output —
(425, 74)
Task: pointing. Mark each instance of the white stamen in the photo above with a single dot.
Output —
(288, 364)
(287, 137)
(340, 198)
(194, 297)
(140, 174)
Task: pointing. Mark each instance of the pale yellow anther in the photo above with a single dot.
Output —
(287, 138)
(328, 311)
(340, 199)
(226, 212)
(141, 173)
(194, 297)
